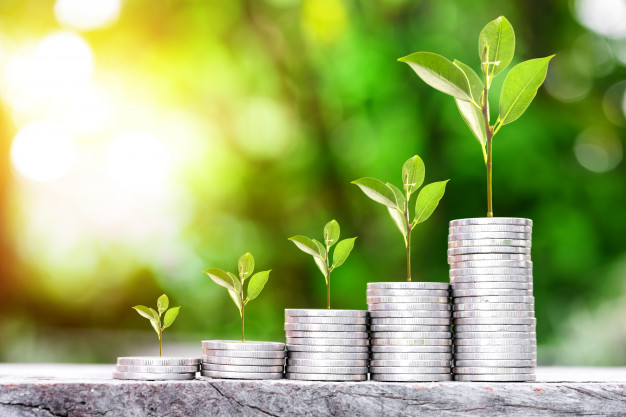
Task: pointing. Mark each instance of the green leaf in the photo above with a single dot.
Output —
(221, 278)
(170, 316)
(306, 245)
(399, 196)
(413, 172)
(399, 220)
(256, 284)
(476, 85)
(520, 87)
(497, 40)
(474, 120)
(321, 265)
(320, 248)
(440, 74)
(237, 283)
(155, 326)
(235, 297)
(162, 303)
(428, 199)
(377, 191)
(144, 312)
(155, 315)
(342, 251)
(246, 265)
(331, 233)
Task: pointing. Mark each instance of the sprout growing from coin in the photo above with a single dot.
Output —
(398, 203)
(321, 253)
(155, 317)
(240, 292)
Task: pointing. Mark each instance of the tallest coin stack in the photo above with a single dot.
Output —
(491, 278)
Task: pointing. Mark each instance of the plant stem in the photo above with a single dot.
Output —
(243, 307)
(160, 344)
(408, 238)
(327, 280)
(489, 135)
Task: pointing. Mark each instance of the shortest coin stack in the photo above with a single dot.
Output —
(327, 345)
(155, 368)
(231, 359)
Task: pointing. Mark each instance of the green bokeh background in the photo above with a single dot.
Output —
(275, 106)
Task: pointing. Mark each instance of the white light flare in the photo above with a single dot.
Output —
(606, 17)
(87, 14)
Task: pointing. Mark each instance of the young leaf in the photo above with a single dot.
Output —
(498, 39)
(520, 87)
(413, 172)
(306, 245)
(246, 265)
(399, 196)
(472, 116)
(331, 233)
(440, 74)
(155, 315)
(256, 284)
(235, 297)
(155, 326)
(476, 85)
(399, 220)
(342, 251)
(144, 312)
(170, 316)
(162, 303)
(321, 265)
(377, 191)
(221, 278)
(321, 249)
(237, 283)
(428, 199)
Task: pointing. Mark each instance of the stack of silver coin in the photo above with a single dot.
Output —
(327, 345)
(147, 368)
(491, 274)
(410, 331)
(242, 360)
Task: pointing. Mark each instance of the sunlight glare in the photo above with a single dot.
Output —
(87, 14)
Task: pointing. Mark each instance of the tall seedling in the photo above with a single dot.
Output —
(155, 317)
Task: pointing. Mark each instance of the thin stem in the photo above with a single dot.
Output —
(489, 134)
(243, 310)
(408, 238)
(160, 344)
(327, 280)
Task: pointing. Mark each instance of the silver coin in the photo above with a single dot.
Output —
(498, 281)
(408, 306)
(322, 348)
(242, 346)
(157, 361)
(411, 321)
(326, 320)
(242, 368)
(435, 314)
(343, 370)
(475, 370)
(491, 286)
(152, 376)
(496, 320)
(294, 312)
(411, 349)
(495, 349)
(334, 356)
(494, 335)
(265, 354)
(411, 357)
(410, 363)
(412, 335)
(411, 342)
(159, 369)
(442, 286)
(502, 272)
(494, 307)
(325, 327)
(225, 360)
(407, 328)
(407, 299)
(484, 257)
(489, 228)
(411, 377)
(329, 335)
(492, 220)
(326, 377)
(492, 264)
(407, 292)
(495, 299)
(312, 341)
(409, 370)
(464, 243)
(524, 341)
(493, 314)
(468, 250)
(489, 235)
(494, 292)
(496, 378)
(519, 363)
(467, 328)
(327, 362)
(241, 375)
(504, 356)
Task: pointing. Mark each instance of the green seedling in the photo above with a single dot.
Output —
(155, 317)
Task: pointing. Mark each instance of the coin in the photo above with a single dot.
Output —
(225, 360)
(242, 346)
(329, 335)
(162, 369)
(494, 292)
(266, 354)
(407, 292)
(408, 306)
(407, 299)
(488, 257)
(241, 368)
(491, 220)
(527, 348)
(407, 328)
(325, 327)
(335, 356)
(411, 356)
(518, 363)
(493, 335)
(327, 348)
(408, 285)
(241, 375)
(489, 235)
(503, 356)
(411, 349)
(326, 377)
(411, 342)
(493, 314)
(312, 341)
(494, 307)
(152, 376)
(475, 243)
(412, 321)
(458, 343)
(157, 361)
(327, 362)
(491, 285)
(412, 335)
(409, 370)
(493, 279)
(467, 250)
(465, 328)
(411, 377)
(495, 320)
(326, 320)
(504, 273)
(496, 378)
(493, 370)
(494, 299)
(489, 228)
(410, 363)
(435, 314)
(492, 264)
(344, 370)
(324, 313)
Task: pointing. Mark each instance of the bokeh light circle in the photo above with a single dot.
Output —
(87, 14)
(606, 17)
(598, 150)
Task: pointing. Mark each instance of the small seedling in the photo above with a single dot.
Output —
(397, 203)
(155, 317)
(240, 293)
(496, 46)
(321, 253)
